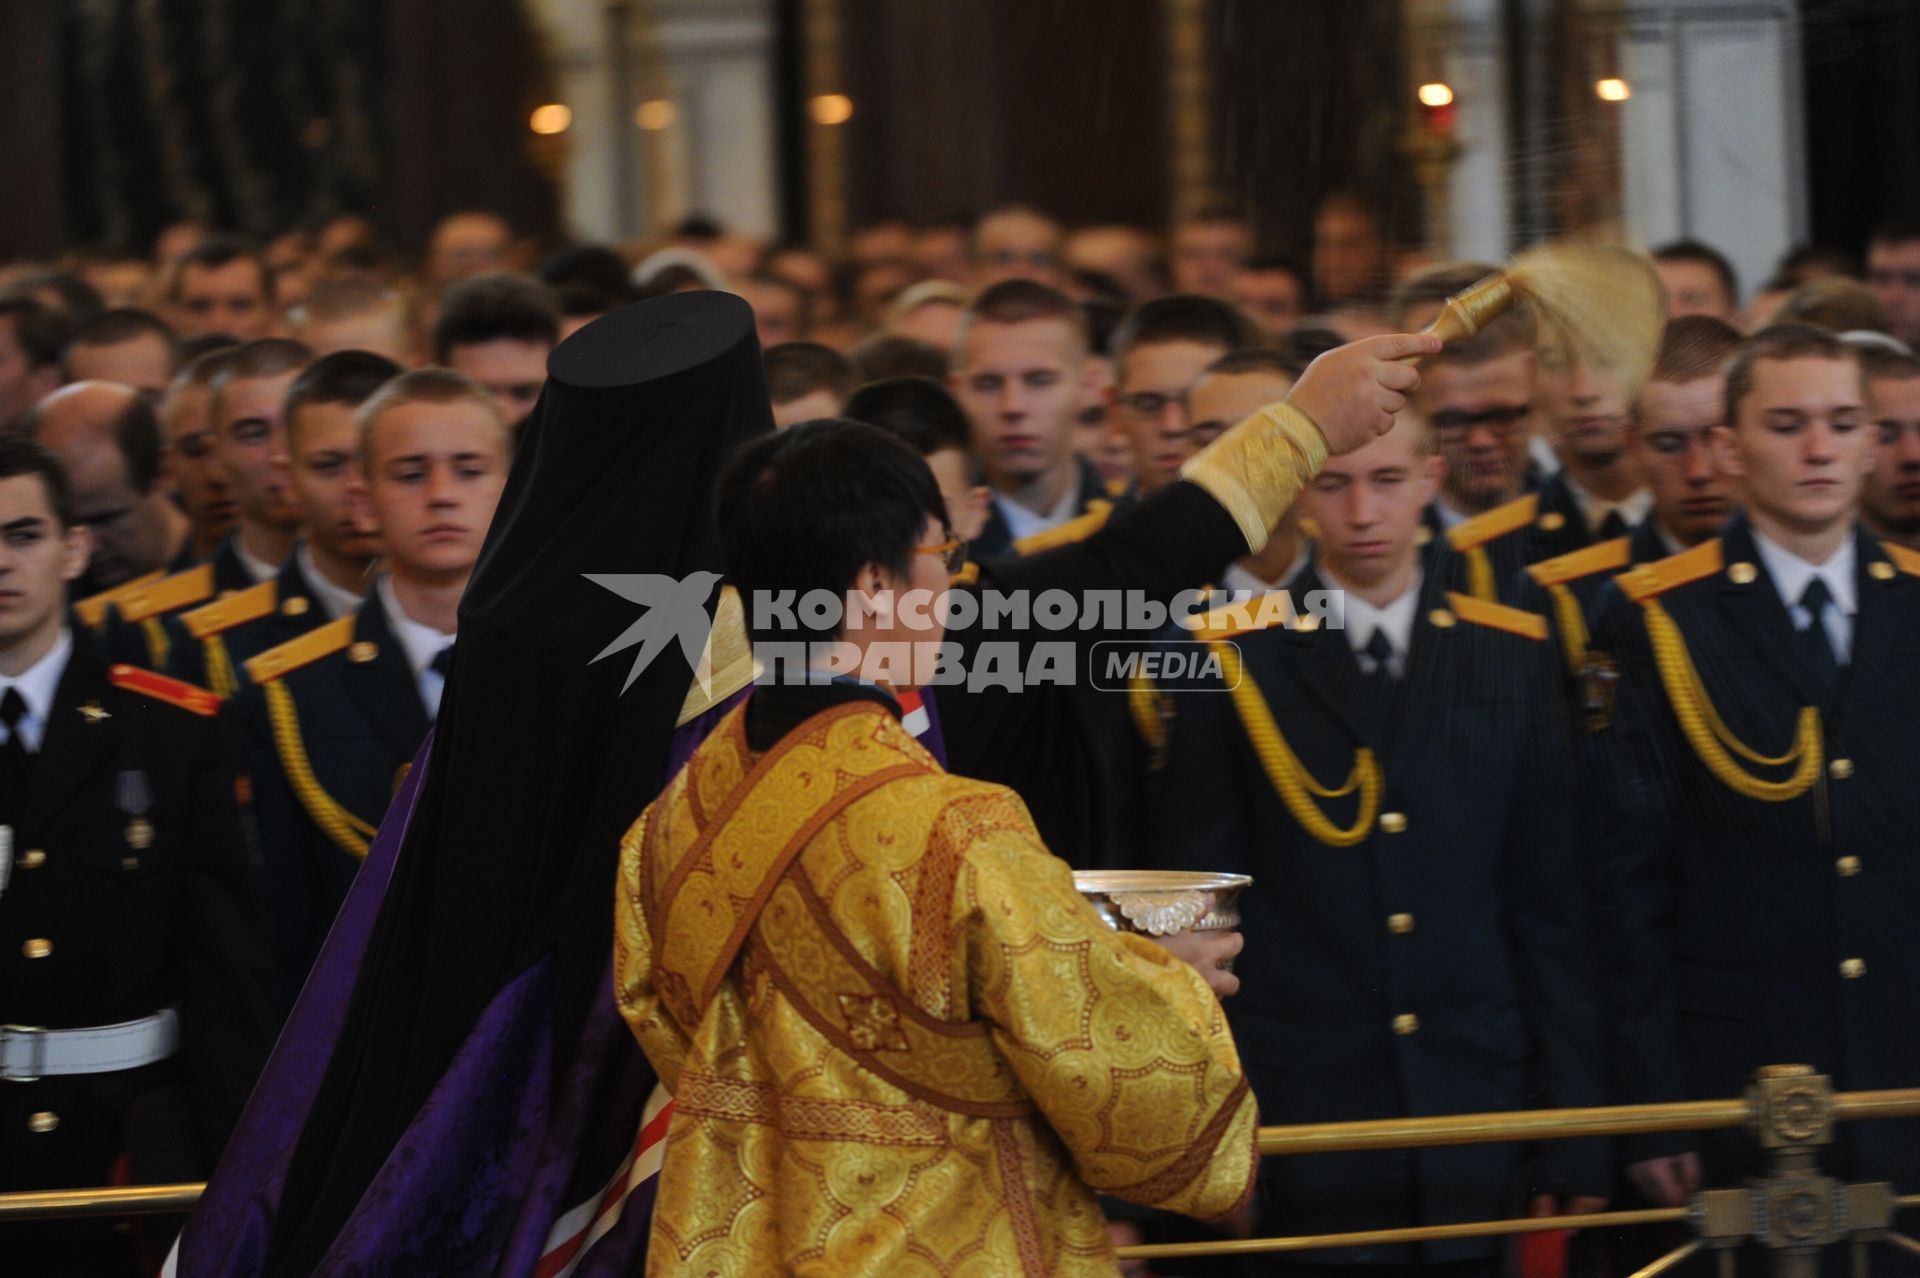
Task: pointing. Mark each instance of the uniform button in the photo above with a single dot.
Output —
(1406, 1023)
(1393, 822)
(1400, 924)
(1853, 969)
(38, 948)
(33, 859)
(1742, 574)
(1840, 769)
(1848, 866)
(43, 1122)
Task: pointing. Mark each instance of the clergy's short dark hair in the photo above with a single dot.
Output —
(806, 508)
(22, 456)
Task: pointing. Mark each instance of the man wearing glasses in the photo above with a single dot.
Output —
(1160, 350)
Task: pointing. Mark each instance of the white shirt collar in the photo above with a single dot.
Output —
(1022, 522)
(1791, 574)
(1396, 617)
(334, 600)
(1633, 508)
(37, 685)
(258, 569)
(1541, 454)
(1449, 517)
(421, 643)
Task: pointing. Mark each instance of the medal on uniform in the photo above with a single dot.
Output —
(93, 713)
(1599, 680)
(134, 796)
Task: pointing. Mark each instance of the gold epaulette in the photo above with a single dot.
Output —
(235, 609)
(1649, 580)
(1497, 616)
(181, 590)
(1497, 522)
(1606, 556)
(322, 641)
(1262, 612)
(1078, 528)
(968, 574)
(92, 610)
(175, 692)
(1907, 561)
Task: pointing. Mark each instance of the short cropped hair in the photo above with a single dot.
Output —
(1837, 304)
(806, 508)
(123, 324)
(1254, 359)
(1184, 317)
(262, 357)
(20, 455)
(892, 355)
(344, 377)
(428, 386)
(347, 297)
(797, 369)
(43, 331)
(505, 305)
(1021, 301)
(919, 410)
(1886, 362)
(1706, 255)
(1780, 341)
(1692, 347)
(1900, 229)
(214, 253)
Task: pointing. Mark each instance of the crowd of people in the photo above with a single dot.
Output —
(1586, 787)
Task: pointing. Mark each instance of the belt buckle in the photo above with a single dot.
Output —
(34, 1034)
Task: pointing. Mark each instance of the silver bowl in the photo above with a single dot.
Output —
(1163, 902)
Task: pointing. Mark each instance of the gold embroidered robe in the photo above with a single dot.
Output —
(929, 1052)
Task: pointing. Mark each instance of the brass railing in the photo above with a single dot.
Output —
(1792, 1209)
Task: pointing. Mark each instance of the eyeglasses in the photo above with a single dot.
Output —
(1501, 421)
(1150, 403)
(952, 552)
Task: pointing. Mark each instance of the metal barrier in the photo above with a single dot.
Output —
(1792, 1209)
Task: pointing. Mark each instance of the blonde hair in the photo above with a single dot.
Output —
(428, 386)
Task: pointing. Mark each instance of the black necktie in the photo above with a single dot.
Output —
(1379, 650)
(1816, 599)
(1614, 525)
(442, 661)
(15, 760)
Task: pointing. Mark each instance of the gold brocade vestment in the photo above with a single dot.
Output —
(900, 1043)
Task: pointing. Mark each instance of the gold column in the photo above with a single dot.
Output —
(1189, 108)
(826, 138)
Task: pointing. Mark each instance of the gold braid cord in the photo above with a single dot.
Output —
(1256, 469)
(1290, 777)
(157, 645)
(1710, 737)
(343, 827)
(1480, 582)
(221, 676)
(1573, 625)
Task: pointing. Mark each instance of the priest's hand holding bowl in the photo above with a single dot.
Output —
(1192, 915)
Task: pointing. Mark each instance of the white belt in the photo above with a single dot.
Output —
(28, 1052)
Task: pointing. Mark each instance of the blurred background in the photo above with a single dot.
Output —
(1470, 126)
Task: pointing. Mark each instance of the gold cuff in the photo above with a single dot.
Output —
(1256, 469)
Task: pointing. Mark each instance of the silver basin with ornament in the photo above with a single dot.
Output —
(1163, 902)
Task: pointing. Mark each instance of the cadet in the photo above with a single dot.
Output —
(1669, 442)
(132, 971)
(1765, 732)
(248, 413)
(337, 713)
(1417, 937)
(327, 574)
